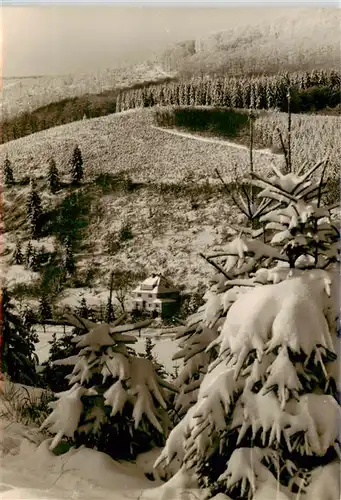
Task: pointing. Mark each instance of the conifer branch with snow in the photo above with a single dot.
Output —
(260, 387)
(117, 401)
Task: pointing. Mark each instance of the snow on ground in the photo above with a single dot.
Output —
(86, 474)
(128, 141)
(95, 297)
(78, 474)
(18, 274)
(72, 297)
(215, 141)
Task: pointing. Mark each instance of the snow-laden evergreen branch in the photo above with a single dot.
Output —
(108, 383)
(260, 382)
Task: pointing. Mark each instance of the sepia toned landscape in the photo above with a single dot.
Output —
(170, 264)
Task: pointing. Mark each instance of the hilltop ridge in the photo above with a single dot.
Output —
(299, 39)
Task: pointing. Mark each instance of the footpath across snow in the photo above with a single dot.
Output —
(222, 142)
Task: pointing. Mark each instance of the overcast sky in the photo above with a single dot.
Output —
(52, 39)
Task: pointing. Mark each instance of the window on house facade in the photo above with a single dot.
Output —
(150, 295)
(147, 287)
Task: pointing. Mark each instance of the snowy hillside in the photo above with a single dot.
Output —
(122, 142)
(22, 94)
(291, 39)
(170, 226)
(129, 142)
(168, 232)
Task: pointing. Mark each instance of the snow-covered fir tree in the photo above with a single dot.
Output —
(28, 254)
(149, 346)
(18, 358)
(8, 173)
(76, 164)
(262, 419)
(117, 403)
(83, 310)
(53, 176)
(44, 310)
(109, 310)
(60, 348)
(34, 211)
(149, 354)
(55, 377)
(34, 260)
(18, 257)
(69, 259)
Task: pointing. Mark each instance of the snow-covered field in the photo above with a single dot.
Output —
(126, 142)
(130, 142)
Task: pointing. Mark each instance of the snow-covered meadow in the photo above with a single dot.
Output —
(130, 142)
(126, 142)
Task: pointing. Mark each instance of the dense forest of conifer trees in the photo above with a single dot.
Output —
(310, 91)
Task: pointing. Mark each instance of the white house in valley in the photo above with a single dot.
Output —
(157, 296)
